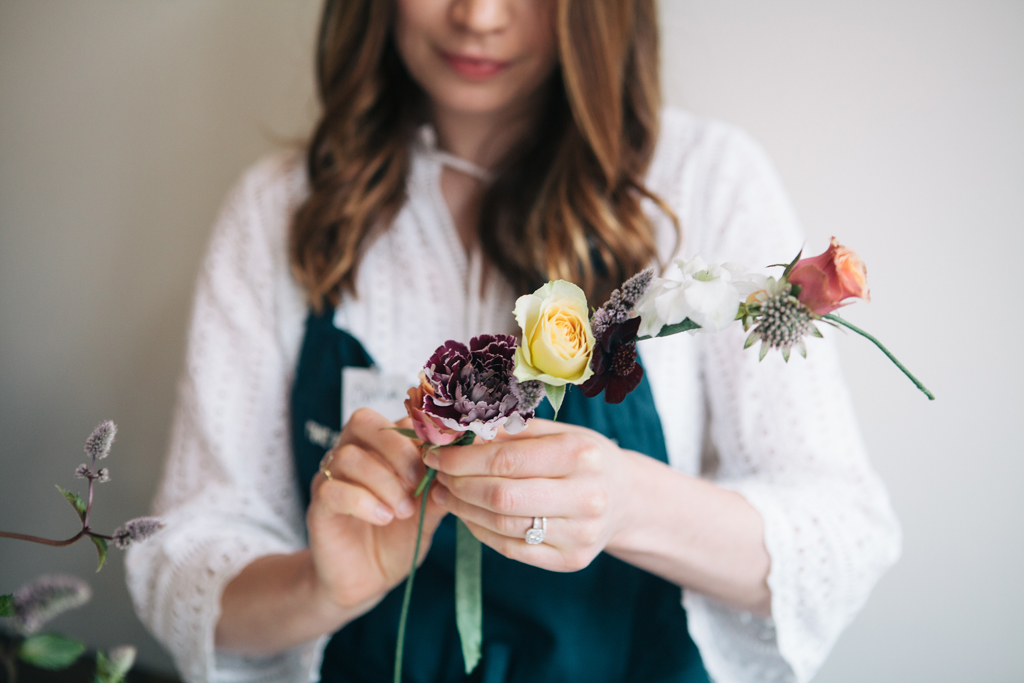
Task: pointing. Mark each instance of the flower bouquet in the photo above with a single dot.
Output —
(498, 381)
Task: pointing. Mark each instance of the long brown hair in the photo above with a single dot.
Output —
(566, 204)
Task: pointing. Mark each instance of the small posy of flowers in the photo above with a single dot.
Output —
(497, 381)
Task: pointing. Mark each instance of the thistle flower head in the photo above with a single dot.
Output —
(783, 322)
(103, 475)
(136, 531)
(97, 446)
(46, 597)
(82, 471)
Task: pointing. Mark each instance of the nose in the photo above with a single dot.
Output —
(481, 16)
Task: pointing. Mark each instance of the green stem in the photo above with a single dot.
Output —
(424, 486)
(916, 381)
(10, 666)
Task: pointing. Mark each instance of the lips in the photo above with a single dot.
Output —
(474, 68)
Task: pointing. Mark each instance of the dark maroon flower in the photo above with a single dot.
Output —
(473, 387)
(616, 371)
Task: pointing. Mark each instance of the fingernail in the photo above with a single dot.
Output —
(405, 508)
(431, 459)
(383, 513)
(440, 495)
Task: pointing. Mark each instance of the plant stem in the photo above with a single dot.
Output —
(431, 472)
(44, 541)
(8, 653)
(916, 381)
(88, 506)
(12, 670)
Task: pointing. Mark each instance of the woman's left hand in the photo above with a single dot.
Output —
(575, 477)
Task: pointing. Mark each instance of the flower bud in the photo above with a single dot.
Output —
(827, 280)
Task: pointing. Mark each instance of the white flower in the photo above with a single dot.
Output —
(709, 295)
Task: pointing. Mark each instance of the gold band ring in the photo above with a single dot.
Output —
(325, 464)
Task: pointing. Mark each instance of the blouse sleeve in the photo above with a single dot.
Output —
(785, 438)
(228, 493)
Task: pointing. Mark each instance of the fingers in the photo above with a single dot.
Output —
(552, 455)
(353, 464)
(506, 525)
(338, 497)
(563, 532)
(529, 497)
(375, 433)
(538, 427)
(542, 555)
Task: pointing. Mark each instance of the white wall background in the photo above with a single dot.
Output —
(898, 126)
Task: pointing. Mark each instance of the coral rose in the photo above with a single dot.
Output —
(826, 281)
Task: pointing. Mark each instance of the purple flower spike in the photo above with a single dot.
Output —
(46, 597)
(97, 446)
(621, 303)
(137, 531)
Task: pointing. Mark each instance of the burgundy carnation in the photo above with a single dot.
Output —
(616, 371)
(473, 387)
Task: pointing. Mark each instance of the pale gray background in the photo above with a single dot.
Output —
(896, 125)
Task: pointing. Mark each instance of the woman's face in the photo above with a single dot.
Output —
(478, 57)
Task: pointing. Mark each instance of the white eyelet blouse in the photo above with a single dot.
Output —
(783, 436)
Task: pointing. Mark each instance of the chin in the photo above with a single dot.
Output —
(473, 99)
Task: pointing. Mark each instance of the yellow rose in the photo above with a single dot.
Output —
(557, 340)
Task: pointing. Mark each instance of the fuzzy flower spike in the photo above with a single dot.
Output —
(38, 602)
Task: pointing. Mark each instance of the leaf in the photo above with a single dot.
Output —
(424, 482)
(50, 651)
(469, 604)
(101, 550)
(555, 395)
(789, 268)
(76, 502)
(6, 605)
(464, 440)
(411, 433)
(752, 339)
(684, 326)
(785, 353)
(114, 666)
(764, 351)
(103, 670)
(815, 332)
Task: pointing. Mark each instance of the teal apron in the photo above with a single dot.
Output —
(610, 622)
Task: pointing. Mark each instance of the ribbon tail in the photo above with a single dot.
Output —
(469, 606)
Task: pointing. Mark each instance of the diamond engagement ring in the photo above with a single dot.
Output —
(535, 535)
(325, 464)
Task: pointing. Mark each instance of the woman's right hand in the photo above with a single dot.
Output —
(362, 522)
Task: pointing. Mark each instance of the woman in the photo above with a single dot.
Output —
(469, 150)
